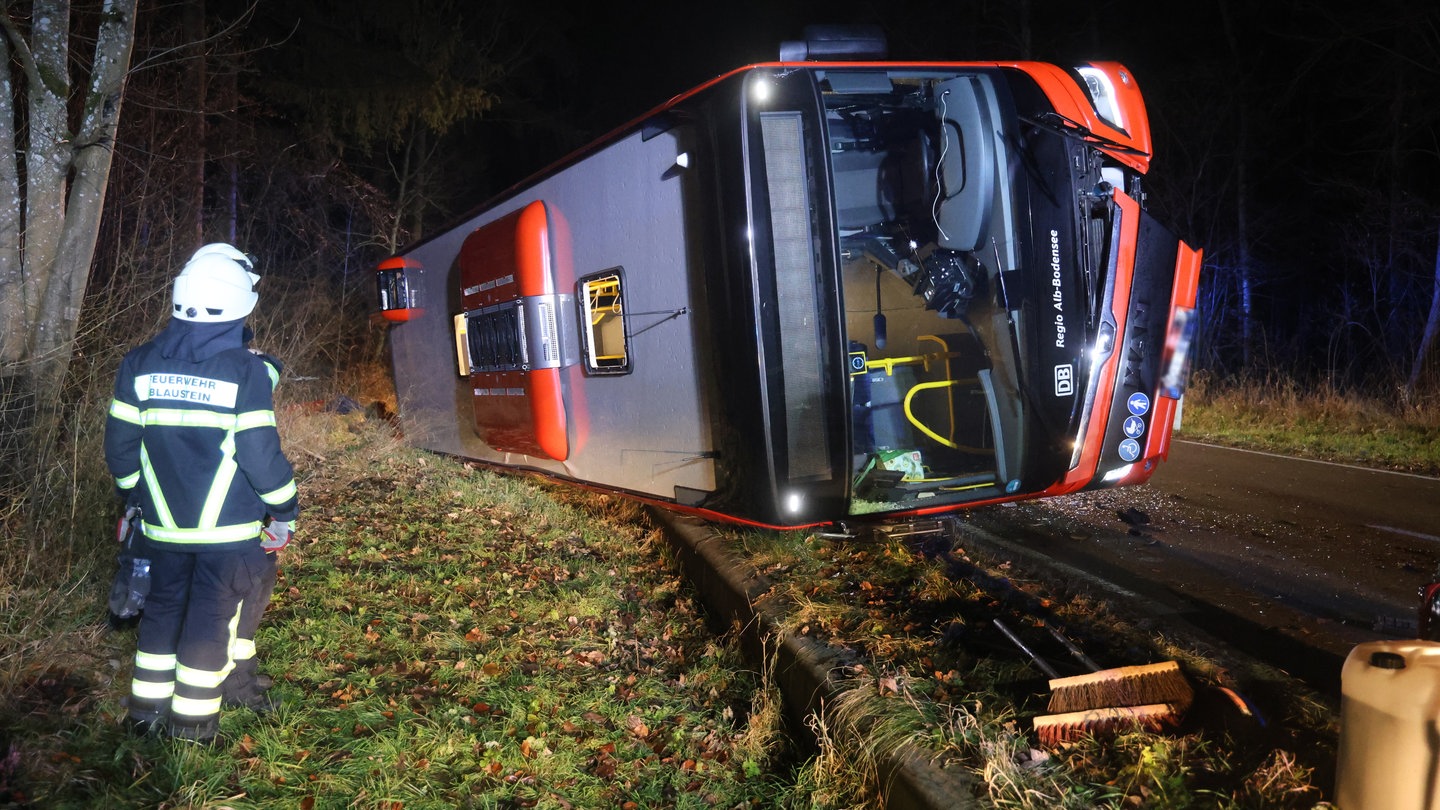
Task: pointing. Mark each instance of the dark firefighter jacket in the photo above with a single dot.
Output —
(191, 437)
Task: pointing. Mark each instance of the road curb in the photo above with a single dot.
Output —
(804, 670)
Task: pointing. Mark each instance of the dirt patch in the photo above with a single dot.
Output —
(55, 690)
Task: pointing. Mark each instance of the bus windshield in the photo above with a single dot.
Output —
(935, 234)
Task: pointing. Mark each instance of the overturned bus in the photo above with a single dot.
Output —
(831, 288)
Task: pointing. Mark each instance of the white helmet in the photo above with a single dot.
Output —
(217, 284)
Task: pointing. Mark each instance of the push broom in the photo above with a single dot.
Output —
(1148, 696)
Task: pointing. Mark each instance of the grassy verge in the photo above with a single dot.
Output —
(446, 637)
(441, 637)
(1314, 422)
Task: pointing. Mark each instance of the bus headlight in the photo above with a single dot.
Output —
(1118, 473)
(1102, 95)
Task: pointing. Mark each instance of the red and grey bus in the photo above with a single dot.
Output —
(828, 289)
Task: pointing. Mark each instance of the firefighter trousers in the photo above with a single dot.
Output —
(241, 687)
(185, 638)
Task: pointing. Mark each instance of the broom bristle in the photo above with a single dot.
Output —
(1055, 729)
(1141, 685)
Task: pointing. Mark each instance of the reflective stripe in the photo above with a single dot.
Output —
(215, 534)
(192, 707)
(154, 661)
(151, 690)
(254, 419)
(177, 417)
(220, 486)
(242, 649)
(280, 495)
(274, 376)
(162, 509)
(129, 481)
(124, 411)
(211, 679)
(202, 678)
(232, 629)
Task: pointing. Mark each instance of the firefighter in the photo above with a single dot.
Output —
(191, 439)
(246, 686)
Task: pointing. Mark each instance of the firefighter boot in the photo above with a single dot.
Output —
(202, 732)
(143, 727)
(145, 716)
(246, 689)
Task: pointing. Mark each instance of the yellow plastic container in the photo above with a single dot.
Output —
(1390, 727)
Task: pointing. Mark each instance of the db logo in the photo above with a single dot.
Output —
(1064, 380)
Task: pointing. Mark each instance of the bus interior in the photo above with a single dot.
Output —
(925, 209)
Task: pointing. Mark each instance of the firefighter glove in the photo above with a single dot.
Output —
(276, 535)
(127, 526)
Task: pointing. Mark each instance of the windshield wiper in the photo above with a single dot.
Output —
(1097, 208)
(1069, 128)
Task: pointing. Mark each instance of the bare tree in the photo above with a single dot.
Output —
(444, 61)
(1245, 264)
(1427, 337)
(50, 206)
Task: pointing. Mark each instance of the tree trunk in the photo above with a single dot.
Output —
(1427, 339)
(65, 180)
(1392, 322)
(193, 19)
(1243, 259)
(12, 300)
(47, 164)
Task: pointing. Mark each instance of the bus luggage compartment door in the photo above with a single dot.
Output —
(519, 335)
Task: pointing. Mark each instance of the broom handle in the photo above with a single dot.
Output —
(1070, 645)
(1014, 639)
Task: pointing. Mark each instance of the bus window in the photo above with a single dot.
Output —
(605, 344)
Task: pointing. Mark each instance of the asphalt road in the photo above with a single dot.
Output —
(1291, 560)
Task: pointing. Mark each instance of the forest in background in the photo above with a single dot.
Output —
(1295, 142)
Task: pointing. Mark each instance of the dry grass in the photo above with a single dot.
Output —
(1284, 416)
(835, 777)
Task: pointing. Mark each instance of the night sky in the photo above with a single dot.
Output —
(652, 50)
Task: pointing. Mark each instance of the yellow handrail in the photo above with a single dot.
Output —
(604, 298)
(889, 363)
(922, 427)
(949, 394)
